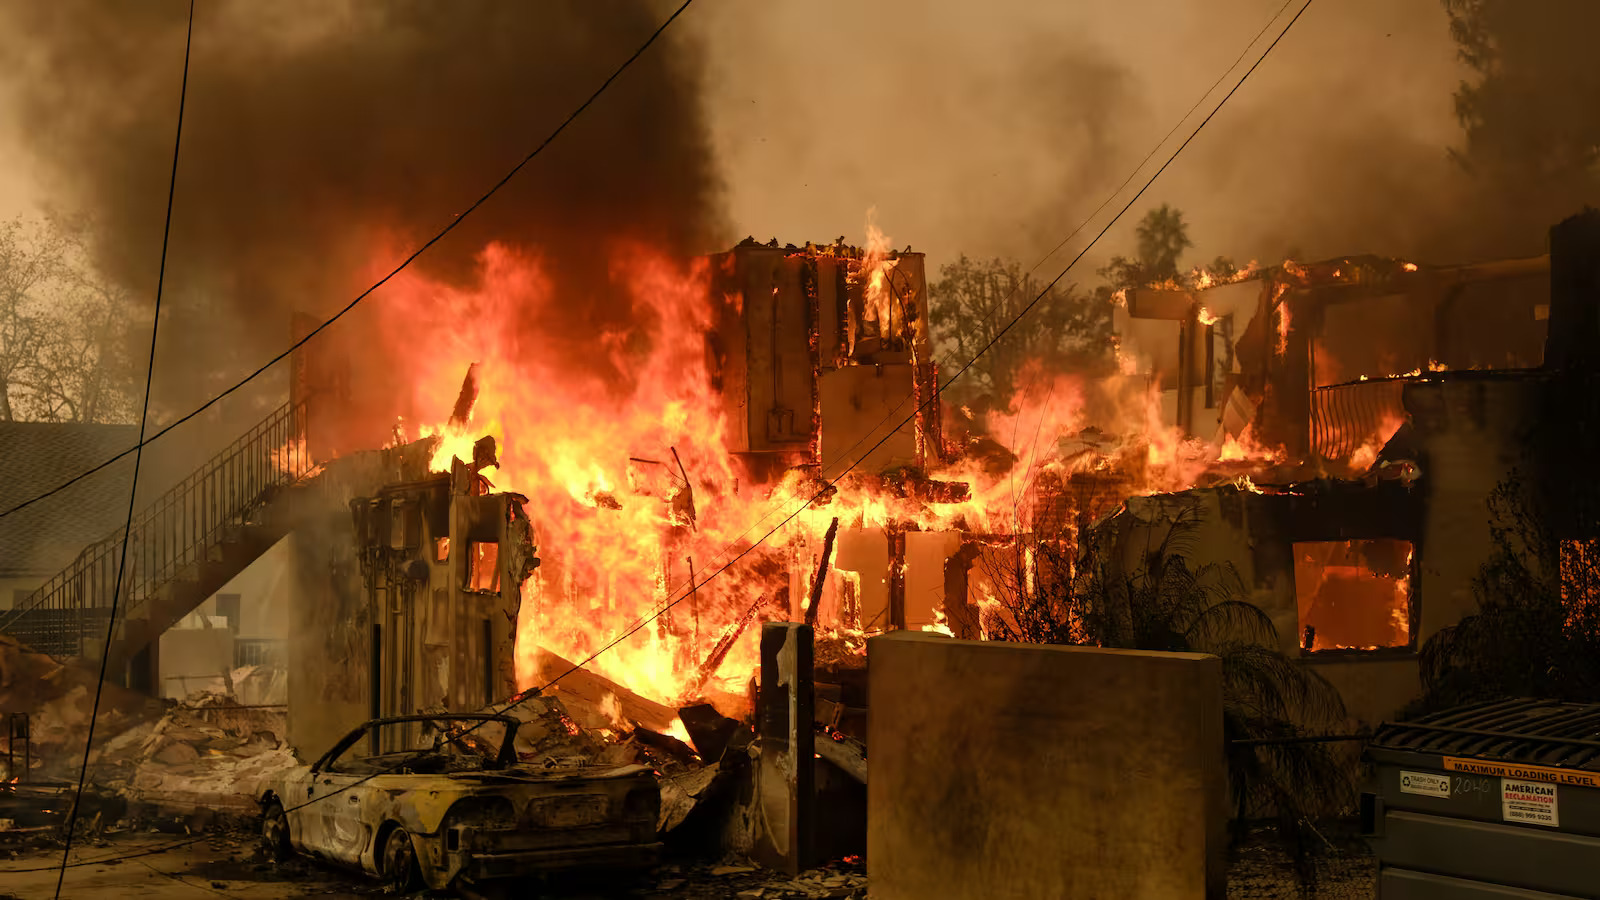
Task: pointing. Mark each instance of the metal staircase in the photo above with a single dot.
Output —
(183, 547)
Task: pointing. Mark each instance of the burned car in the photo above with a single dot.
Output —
(433, 799)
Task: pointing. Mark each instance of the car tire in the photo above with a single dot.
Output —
(400, 862)
(275, 832)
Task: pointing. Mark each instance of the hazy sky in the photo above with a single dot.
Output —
(995, 128)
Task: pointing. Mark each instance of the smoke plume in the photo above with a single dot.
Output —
(323, 142)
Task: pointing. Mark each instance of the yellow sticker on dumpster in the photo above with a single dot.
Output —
(1523, 773)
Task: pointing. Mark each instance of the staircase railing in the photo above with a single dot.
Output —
(168, 537)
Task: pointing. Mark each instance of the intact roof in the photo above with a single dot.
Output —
(43, 538)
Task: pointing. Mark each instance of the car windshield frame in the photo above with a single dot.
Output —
(505, 758)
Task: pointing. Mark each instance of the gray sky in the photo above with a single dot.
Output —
(994, 128)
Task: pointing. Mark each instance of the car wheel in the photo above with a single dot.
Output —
(275, 832)
(400, 862)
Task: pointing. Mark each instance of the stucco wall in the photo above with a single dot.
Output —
(1024, 771)
(1473, 434)
(329, 647)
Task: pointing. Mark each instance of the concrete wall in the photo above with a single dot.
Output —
(14, 590)
(1244, 530)
(194, 659)
(1024, 771)
(330, 648)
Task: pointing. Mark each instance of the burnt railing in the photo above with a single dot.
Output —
(169, 538)
(1344, 417)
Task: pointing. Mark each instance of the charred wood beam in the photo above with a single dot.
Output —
(466, 399)
(822, 573)
(720, 653)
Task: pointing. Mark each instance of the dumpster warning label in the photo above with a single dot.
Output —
(1529, 801)
(1523, 773)
(1425, 783)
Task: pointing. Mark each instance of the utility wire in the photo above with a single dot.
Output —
(629, 632)
(693, 587)
(133, 490)
(1133, 173)
(963, 370)
(451, 226)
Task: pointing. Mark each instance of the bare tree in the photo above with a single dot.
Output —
(64, 354)
(974, 300)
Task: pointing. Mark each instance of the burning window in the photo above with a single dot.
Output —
(441, 549)
(483, 566)
(1353, 595)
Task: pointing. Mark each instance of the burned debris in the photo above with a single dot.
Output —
(535, 652)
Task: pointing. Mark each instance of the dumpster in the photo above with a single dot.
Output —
(1498, 800)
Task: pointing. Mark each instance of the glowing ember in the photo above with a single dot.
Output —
(1283, 320)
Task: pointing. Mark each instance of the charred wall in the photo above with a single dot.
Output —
(813, 335)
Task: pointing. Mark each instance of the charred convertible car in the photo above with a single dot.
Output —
(457, 804)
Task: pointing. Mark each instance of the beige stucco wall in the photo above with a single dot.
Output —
(1017, 770)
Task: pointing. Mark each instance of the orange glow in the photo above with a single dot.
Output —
(1367, 454)
(293, 459)
(1283, 319)
(1353, 594)
(616, 529)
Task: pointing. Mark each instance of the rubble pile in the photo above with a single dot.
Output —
(210, 754)
(59, 700)
(846, 880)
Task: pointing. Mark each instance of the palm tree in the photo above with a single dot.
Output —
(1168, 604)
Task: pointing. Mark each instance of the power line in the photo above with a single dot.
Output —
(451, 226)
(133, 489)
(693, 587)
(1042, 294)
(1243, 52)
(963, 370)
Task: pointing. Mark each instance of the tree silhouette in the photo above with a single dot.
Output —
(973, 300)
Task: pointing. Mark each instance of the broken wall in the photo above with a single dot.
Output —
(1012, 770)
(1255, 535)
(330, 644)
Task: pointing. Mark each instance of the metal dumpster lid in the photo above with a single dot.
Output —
(1535, 732)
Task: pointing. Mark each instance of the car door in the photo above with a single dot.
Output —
(327, 801)
(304, 826)
(345, 832)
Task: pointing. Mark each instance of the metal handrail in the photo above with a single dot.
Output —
(174, 532)
(1345, 416)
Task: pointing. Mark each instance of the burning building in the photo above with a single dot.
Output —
(767, 444)
(1404, 395)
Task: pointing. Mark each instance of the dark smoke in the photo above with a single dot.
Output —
(315, 131)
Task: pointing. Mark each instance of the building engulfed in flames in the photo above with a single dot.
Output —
(1324, 424)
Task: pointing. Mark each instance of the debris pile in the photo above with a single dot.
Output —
(58, 700)
(845, 880)
(209, 756)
